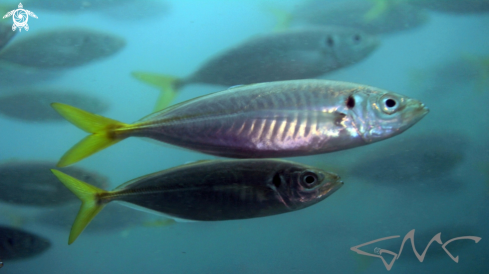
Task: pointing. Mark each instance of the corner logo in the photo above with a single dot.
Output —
(410, 236)
(20, 17)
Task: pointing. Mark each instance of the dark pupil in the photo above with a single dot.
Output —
(309, 179)
(350, 102)
(390, 103)
(356, 38)
(330, 41)
(276, 180)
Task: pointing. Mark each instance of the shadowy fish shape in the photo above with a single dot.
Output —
(16, 244)
(212, 191)
(112, 218)
(467, 70)
(6, 34)
(32, 184)
(120, 9)
(34, 104)
(376, 17)
(294, 54)
(267, 120)
(453, 6)
(63, 48)
(12, 75)
(417, 159)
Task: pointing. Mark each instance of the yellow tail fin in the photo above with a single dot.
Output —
(91, 203)
(283, 17)
(380, 7)
(168, 86)
(103, 133)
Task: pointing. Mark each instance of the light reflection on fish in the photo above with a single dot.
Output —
(267, 120)
(212, 191)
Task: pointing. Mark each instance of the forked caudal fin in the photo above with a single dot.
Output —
(167, 84)
(91, 204)
(103, 133)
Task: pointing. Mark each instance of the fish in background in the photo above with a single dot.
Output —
(120, 9)
(62, 48)
(33, 105)
(13, 76)
(419, 162)
(215, 190)
(112, 218)
(376, 17)
(467, 70)
(294, 54)
(452, 6)
(31, 183)
(16, 244)
(6, 34)
(266, 120)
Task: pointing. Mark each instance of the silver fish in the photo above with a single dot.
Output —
(276, 119)
(289, 55)
(212, 191)
(62, 48)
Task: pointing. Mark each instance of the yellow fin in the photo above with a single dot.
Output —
(379, 8)
(103, 133)
(284, 18)
(167, 84)
(91, 203)
(160, 222)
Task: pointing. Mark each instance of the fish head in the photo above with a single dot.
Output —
(380, 114)
(347, 46)
(306, 186)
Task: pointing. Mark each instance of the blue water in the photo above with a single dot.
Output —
(314, 240)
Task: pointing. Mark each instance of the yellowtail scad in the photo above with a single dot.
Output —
(267, 120)
(211, 191)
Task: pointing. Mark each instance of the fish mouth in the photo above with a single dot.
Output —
(331, 188)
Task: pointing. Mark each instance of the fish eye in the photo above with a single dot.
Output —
(310, 179)
(329, 41)
(390, 104)
(277, 180)
(350, 102)
(357, 38)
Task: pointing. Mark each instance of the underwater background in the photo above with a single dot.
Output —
(432, 178)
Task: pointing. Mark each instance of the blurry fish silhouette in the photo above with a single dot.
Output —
(212, 191)
(34, 104)
(16, 244)
(276, 119)
(467, 70)
(120, 9)
(62, 48)
(374, 16)
(293, 54)
(6, 34)
(31, 183)
(409, 163)
(452, 6)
